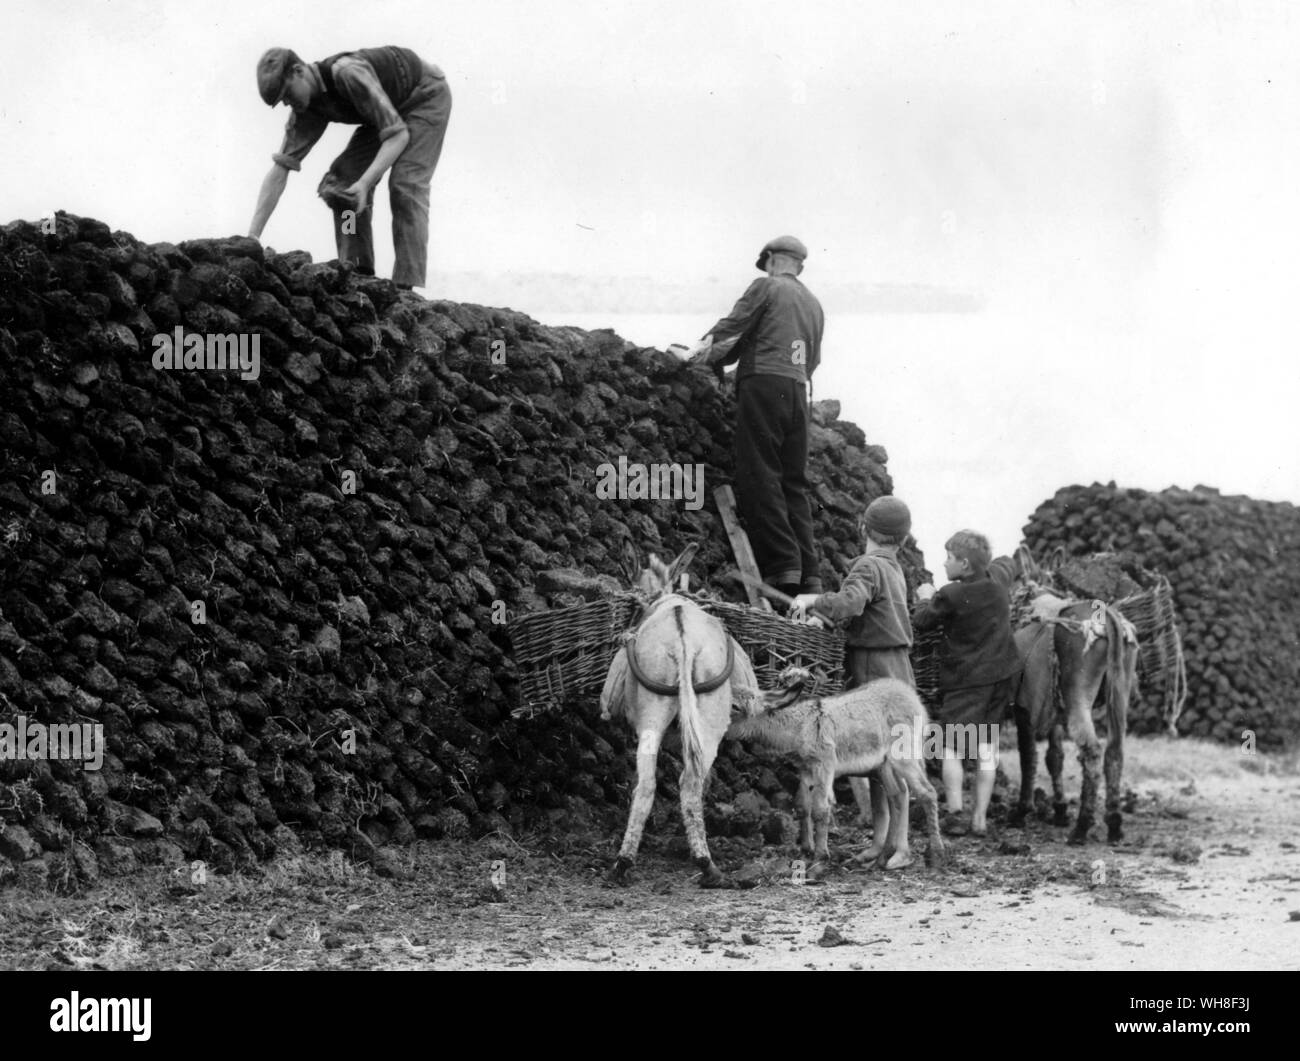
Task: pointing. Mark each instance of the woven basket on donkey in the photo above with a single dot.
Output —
(1160, 646)
(565, 653)
(1151, 611)
(1145, 599)
(774, 643)
(925, 666)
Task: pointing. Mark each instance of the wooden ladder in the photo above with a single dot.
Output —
(744, 553)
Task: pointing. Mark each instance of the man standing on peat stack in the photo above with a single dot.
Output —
(401, 104)
(775, 333)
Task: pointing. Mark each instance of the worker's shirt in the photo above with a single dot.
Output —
(359, 97)
(777, 325)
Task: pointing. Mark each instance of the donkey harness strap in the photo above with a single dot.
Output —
(672, 690)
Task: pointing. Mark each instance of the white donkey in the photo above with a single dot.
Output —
(680, 663)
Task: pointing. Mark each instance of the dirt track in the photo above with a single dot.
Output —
(1205, 879)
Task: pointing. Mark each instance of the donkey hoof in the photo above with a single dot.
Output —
(620, 872)
(711, 876)
(935, 855)
(1016, 817)
(1114, 830)
(1078, 837)
(1062, 815)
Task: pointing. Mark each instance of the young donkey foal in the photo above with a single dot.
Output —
(875, 731)
(680, 663)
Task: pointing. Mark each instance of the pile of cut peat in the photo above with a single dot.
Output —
(353, 525)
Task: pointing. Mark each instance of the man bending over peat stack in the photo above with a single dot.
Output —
(401, 104)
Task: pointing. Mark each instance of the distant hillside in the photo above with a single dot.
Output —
(568, 293)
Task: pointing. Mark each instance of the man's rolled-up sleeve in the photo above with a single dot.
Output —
(301, 132)
(356, 79)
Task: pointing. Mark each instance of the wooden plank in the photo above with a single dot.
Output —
(770, 592)
(726, 502)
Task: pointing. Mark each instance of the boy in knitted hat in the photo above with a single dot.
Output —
(976, 663)
(873, 598)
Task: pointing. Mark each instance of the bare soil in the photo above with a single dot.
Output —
(1207, 877)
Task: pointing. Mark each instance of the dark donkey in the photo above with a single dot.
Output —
(1068, 659)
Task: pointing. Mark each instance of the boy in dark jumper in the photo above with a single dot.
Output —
(873, 598)
(977, 661)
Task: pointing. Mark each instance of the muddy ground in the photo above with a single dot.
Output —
(1207, 877)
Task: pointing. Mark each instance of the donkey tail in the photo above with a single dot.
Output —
(1120, 676)
(688, 710)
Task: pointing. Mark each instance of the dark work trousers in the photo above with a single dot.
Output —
(426, 114)
(861, 665)
(771, 480)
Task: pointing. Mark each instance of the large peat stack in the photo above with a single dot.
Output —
(1234, 566)
(357, 526)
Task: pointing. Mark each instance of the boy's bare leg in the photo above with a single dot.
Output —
(952, 777)
(876, 806)
(985, 772)
(898, 852)
(862, 798)
(885, 802)
(881, 803)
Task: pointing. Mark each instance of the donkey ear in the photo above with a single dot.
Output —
(630, 561)
(1026, 567)
(1055, 559)
(682, 562)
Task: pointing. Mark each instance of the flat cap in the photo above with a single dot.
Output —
(784, 245)
(272, 69)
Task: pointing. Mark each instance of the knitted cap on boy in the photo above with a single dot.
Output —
(888, 516)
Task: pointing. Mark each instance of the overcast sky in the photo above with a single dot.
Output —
(1118, 181)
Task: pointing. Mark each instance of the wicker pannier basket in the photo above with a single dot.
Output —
(774, 643)
(925, 667)
(564, 654)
